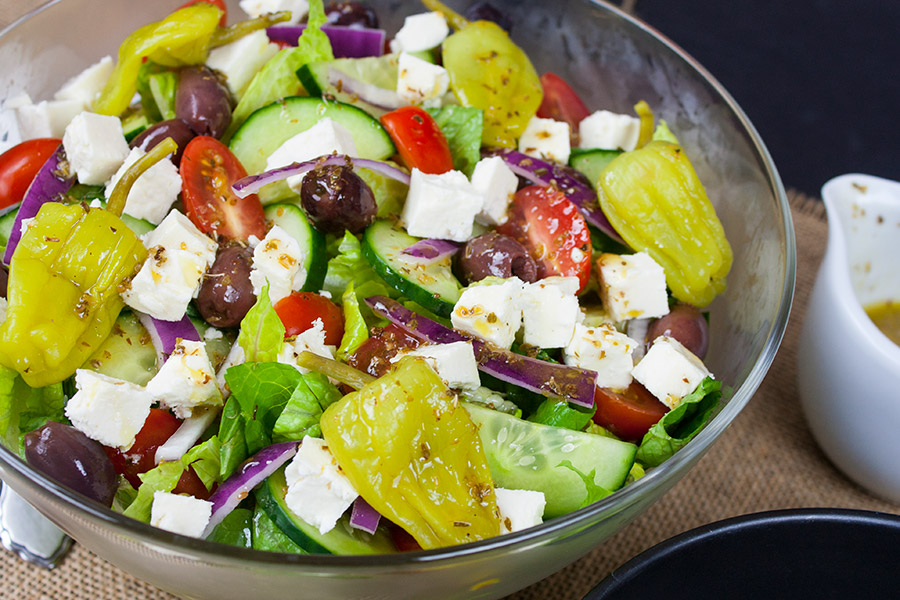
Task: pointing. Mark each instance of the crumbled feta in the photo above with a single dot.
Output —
(421, 32)
(322, 139)
(454, 363)
(212, 333)
(179, 254)
(240, 61)
(318, 492)
(496, 182)
(87, 85)
(257, 8)
(419, 81)
(310, 340)
(185, 515)
(609, 131)
(519, 509)
(95, 147)
(154, 192)
(186, 380)
(632, 286)
(108, 410)
(547, 139)
(605, 350)
(549, 311)
(490, 311)
(441, 206)
(670, 371)
(46, 118)
(277, 259)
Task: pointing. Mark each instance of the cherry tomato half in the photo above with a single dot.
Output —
(628, 413)
(20, 164)
(374, 355)
(208, 168)
(419, 140)
(561, 102)
(299, 311)
(220, 4)
(552, 229)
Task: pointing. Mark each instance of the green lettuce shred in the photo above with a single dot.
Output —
(262, 332)
(462, 126)
(24, 409)
(304, 409)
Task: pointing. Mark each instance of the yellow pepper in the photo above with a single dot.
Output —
(412, 451)
(182, 38)
(655, 201)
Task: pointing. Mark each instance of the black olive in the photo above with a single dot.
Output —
(494, 254)
(226, 293)
(337, 199)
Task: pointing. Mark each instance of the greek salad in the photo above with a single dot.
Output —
(299, 284)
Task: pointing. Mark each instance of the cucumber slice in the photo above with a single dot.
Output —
(529, 456)
(432, 286)
(343, 539)
(591, 162)
(127, 353)
(292, 219)
(268, 128)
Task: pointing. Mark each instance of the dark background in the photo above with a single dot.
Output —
(819, 79)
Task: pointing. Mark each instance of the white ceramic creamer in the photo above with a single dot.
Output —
(848, 370)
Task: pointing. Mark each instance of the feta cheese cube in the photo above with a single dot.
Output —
(277, 259)
(496, 182)
(154, 192)
(632, 286)
(240, 61)
(670, 371)
(318, 492)
(256, 8)
(87, 85)
(95, 147)
(419, 81)
(187, 380)
(441, 206)
(519, 509)
(179, 254)
(550, 311)
(609, 131)
(605, 350)
(46, 119)
(421, 32)
(547, 139)
(322, 139)
(185, 515)
(454, 363)
(310, 340)
(108, 410)
(490, 311)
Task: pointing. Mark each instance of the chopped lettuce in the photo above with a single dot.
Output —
(349, 266)
(680, 425)
(262, 332)
(561, 414)
(594, 491)
(462, 126)
(303, 410)
(267, 535)
(355, 329)
(24, 409)
(236, 529)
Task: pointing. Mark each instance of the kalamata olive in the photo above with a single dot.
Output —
(485, 11)
(494, 254)
(202, 101)
(176, 129)
(4, 279)
(686, 324)
(349, 14)
(73, 459)
(226, 293)
(335, 198)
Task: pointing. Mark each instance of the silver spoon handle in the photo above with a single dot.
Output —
(28, 533)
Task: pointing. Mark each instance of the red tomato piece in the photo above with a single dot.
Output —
(550, 226)
(374, 355)
(628, 413)
(300, 310)
(419, 140)
(20, 164)
(220, 4)
(561, 102)
(208, 168)
(141, 457)
(403, 541)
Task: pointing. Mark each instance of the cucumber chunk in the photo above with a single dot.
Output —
(292, 219)
(343, 539)
(127, 353)
(529, 456)
(432, 286)
(268, 128)
(592, 161)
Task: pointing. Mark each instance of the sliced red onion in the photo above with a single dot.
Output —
(346, 42)
(251, 184)
(51, 182)
(573, 384)
(165, 334)
(186, 436)
(545, 174)
(363, 516)
(367, 92)
(254, 471)
(428, 251)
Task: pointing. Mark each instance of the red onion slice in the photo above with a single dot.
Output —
(165, 334)
(346, 42)
(367, 92)
(363, 516)
(428, 251)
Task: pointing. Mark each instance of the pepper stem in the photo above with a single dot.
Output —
(334, 369)
(454, 19)
(232, 33)
(119, 193)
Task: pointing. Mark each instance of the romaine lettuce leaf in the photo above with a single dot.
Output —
(267, 536)
(236, 529)
(262, 332)
(348, 267)
(462, 127)
(24, 409)
(303, 410)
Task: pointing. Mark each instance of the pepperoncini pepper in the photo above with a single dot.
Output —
(412, 451)
(655, 201)
(64, 277)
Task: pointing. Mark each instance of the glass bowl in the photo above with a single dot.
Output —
(613, 61)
